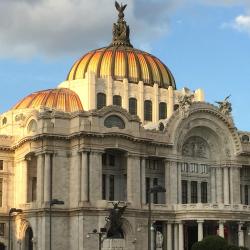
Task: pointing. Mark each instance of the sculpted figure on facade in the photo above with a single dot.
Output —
(185, 102)
(195, 147)
(225, 106)
(114, 219)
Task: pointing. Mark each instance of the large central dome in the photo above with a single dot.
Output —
(120, 60)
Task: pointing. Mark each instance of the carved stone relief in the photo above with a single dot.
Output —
(195, 147)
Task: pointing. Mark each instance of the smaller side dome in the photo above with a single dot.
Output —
(60, 99)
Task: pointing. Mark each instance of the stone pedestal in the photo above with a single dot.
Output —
(113, 244)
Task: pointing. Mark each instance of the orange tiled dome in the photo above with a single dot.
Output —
(123, 62)
(59, 99)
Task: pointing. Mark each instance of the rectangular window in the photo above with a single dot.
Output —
(111, 160)
(104, 159)
(204, 192)
(1, 192)
(246, 195)
(184, 189)
(194, 196)
(1, 164)
(111, 187)
(147, 188)
(155, 183)
(2, 229)
(104, 186)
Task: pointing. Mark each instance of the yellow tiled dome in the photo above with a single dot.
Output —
(60, 99)
(123, 62)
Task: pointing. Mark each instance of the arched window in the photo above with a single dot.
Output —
(133, 106)
(117, 100)
(114, 121)
(28, 245)
(32, 126)
(148, 110)
(162, 110)
(101, 100)
(4, 121)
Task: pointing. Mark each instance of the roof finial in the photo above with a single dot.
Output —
(121, 29)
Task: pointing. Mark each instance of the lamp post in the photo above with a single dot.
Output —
(11, 211)
(153, 190)
(103, 231)
(51, 203)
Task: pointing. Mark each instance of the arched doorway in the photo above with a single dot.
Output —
(28, 239)
(2, 246)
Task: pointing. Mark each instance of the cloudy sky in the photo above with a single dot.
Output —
(205, 43)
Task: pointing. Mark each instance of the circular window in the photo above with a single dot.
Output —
(114, 121)
(245, 138)
(32, 126)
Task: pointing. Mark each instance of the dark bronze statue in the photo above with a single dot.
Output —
(121, 29)
(115, 221)
(120, 9)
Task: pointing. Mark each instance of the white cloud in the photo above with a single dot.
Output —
(242, 23)
(61, 27)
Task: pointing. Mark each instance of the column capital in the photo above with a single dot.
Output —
(169, 222)
(222, 221)
(96, 151)
(200, 221)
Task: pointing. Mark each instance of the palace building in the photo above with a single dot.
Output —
(117, 126)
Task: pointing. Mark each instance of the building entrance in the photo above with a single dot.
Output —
(2, 246)
(191, 235)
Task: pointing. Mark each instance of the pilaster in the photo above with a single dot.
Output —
(133, 180)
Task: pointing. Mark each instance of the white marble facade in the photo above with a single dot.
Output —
(200, 158)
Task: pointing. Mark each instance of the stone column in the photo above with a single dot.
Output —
(40, 179)
(221, 229)
(219, 184)
(140, 102)
(167, 182)
(199, 191)
(240, 235)
(225, 185)
(200, 229)
(156, 103)
(47, 177)
(170, 105)
(181, 236)
(169, 235)
(95, 176)
(84, 177)
(234, 185)
(125, 94)
(179, 197)
(143, 180)
(5, 192)
(176, 236)
(133, 180)
(213, 185)
(173, 183)
(109, 91)
(188, 191)
(24, 182)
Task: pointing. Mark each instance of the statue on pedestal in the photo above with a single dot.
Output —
(115, 223)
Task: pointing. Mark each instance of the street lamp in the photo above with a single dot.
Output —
(11, 211)
(153, 190)
(51, 203)
(102, 232)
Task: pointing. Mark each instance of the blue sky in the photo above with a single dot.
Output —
(205, 43)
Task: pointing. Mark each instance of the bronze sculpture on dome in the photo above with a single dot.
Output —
(121, 29)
